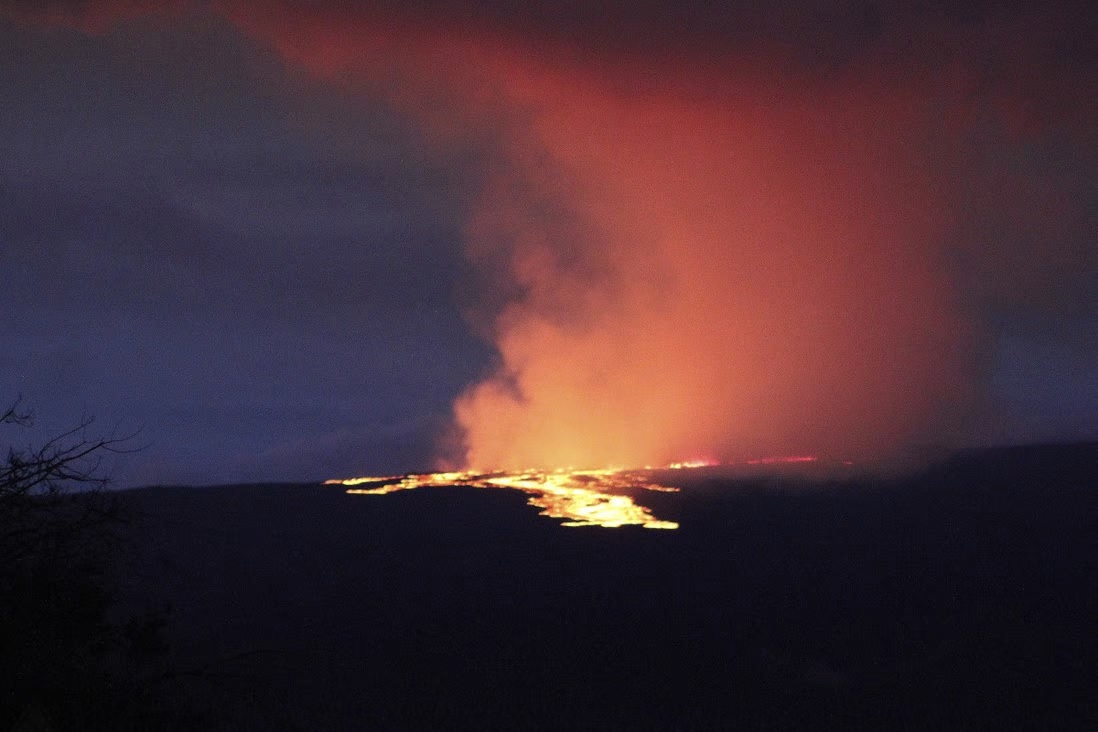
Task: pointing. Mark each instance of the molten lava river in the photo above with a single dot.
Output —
(597, 497)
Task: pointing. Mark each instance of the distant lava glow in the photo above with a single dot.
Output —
(597, 497)
(581, 497)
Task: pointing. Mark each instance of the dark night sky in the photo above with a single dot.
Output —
(261, 265)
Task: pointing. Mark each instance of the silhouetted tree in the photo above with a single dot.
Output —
(65, 664)
(38, 486)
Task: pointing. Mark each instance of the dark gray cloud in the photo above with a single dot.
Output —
(1036, 61)
(185, 251)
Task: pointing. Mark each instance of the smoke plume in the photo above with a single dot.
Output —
(706, 234)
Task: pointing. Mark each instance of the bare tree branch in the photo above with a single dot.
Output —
(49, 495)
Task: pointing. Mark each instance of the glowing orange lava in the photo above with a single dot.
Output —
(591, 497)
(782, 460)
(692, 464)
(581, 497)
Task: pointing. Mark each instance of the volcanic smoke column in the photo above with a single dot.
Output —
(724, 277)
(687, 260)
(711, 230)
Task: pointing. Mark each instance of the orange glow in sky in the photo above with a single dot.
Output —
(674, 260)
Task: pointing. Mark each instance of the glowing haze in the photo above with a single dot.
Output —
(709, 262)
(741, 279)
(693, 243)
(689, 244)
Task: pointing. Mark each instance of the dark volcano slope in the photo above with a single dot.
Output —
(959, 598)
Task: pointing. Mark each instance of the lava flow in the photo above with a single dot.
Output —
(582, 497)
(590, 497)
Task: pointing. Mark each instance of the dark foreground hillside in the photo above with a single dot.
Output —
(962, 598)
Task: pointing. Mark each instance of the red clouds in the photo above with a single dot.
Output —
(701, 263)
